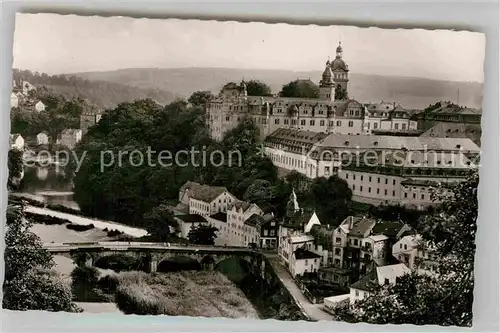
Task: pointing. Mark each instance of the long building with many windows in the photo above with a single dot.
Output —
(332, 112)
(378, 169)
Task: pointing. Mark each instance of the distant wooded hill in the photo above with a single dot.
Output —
(411, 92)
(104, 93)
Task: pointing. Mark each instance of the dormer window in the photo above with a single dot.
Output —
(346, 143)
(459, 146)
(375, 143)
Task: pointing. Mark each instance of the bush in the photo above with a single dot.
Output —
(45, 219)
(80, 228)
(113, 233)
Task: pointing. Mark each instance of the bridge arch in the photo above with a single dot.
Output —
(120, 262)
(178, 263)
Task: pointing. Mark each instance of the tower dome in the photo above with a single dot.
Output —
(327, 76)
(338, 64)
(339, 49)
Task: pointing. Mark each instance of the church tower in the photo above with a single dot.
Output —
(340, 72)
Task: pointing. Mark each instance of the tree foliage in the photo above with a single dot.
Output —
(15, 167)
(202, 234)
(300, 88)
(440, 299)
(258, 88)
(29, 282)
(158, 222)
(200, 98)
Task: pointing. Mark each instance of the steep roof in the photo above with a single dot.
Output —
(301, 254)
(387, 142)
(206, 193)
(314, 220)
(219, 216)
(391, 272)
(191, 218)
(368, 282)
(254, 220)
(388, 228)
(239, 204)
(189, 185)
(361, 227)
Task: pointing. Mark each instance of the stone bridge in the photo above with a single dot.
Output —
(152, 254)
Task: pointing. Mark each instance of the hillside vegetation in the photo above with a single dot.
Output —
(104, 93)
(411, 92)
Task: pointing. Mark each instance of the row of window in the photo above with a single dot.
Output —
(370, 179)
(370, 190)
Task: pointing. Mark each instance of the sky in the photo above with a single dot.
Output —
(57, 44)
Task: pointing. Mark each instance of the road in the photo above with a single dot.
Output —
(314, 311)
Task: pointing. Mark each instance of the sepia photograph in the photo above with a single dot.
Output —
(253, 170)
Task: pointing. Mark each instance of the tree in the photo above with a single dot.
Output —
(330, 198)
(443, 299)
(158, 222)
(200, 98)
(300, 88)
(258, 88)
(203, 234)
(29, 282)
(259, 192)
(340, 93)
(15, 167)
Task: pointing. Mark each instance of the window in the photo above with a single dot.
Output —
(306, 262)
(353, 177)
(227, 118)
(285, 121)
(414, 195)
(361, 177)
(337, 252)
(303, 122)
(353, 187)
(339, 123)
(351, 123)
(361, 189)
(396, 126)
(406, 195)
(403, 127)
(277, 121)
(330, 123)
(386, 281)
(357, 293)
(327, 170)
(369, 190)
(385, 192)
(338, 240)
(370, 178)
(337, 262)
(355, 242)
(294, 121)
(406, 247)
(368, 125)
(393, 182)
(311, 122)
(386, 181)
(422, 197)
(378, 191)
(321, 123)
(393, 193)
(346, 176)
(375, 126)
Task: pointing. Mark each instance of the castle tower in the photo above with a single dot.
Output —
(327, 85)
(340, 72)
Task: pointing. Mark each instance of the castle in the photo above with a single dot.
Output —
(332, 112)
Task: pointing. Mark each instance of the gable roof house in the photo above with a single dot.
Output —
(204, 199)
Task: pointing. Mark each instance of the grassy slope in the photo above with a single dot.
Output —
(187, 293)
